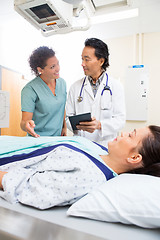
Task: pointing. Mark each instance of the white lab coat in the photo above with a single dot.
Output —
(109, 110)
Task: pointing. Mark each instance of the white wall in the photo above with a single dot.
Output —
(151, 55)
(17, 44)
(125, 51)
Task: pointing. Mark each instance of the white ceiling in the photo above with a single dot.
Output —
(100, 3)
(149, 18)
(7, 6)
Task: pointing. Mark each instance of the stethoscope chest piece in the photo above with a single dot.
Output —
(107, 88)
(80, 98)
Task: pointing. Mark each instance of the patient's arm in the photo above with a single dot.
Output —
(1, 177)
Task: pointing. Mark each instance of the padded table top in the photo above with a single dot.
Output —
(26, 222)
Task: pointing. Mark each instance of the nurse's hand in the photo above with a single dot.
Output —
(29, 128)
(64, 131)
(89, 126)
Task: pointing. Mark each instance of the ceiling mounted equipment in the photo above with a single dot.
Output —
(52, 16)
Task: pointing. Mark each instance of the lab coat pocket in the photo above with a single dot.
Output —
(106, 100)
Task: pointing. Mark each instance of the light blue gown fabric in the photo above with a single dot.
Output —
(59, 177)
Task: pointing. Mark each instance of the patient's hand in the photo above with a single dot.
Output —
(1, 177)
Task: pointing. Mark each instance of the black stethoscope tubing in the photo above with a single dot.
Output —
(80, 98)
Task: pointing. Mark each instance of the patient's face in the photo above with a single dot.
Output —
(127, 143)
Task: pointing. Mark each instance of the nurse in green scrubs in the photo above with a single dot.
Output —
(43, 99)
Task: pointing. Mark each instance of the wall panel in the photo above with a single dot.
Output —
(13, 82)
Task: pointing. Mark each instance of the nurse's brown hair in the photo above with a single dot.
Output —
(39, 57)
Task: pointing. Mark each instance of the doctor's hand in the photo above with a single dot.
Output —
(89, 126)
(29, 126)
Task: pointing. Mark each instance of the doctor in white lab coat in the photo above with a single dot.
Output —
(99, 94)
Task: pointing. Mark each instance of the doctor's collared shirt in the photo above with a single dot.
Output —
(96, 85)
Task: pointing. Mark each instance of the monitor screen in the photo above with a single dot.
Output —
(42, 13)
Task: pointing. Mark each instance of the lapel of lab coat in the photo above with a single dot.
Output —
(100, 89)
(88, 88)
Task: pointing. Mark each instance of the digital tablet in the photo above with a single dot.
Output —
(74, 120)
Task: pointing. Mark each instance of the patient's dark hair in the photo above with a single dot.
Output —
(101, 50)
(150, 151)
(39, 57)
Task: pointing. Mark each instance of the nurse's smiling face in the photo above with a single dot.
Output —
(128, 143)
(92, 66)
(51, 70)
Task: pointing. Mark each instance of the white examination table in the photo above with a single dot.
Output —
(22, 222)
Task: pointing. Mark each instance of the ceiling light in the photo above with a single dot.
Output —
(115, 16)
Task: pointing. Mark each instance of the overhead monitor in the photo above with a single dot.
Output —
(46, 15)
(52, 16)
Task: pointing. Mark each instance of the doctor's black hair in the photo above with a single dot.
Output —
(101, 50)
(39, 57)
(150, 152)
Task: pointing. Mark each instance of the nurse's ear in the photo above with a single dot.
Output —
(40, 70)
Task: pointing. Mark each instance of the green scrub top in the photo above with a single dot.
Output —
(47, 109)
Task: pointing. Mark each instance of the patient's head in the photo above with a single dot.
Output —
(150, 151)
(137, 151)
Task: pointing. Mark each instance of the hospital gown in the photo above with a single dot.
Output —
(58, 178)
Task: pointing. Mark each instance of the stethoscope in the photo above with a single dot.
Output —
(80, 98)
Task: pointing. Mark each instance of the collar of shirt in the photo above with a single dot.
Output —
(96, 85)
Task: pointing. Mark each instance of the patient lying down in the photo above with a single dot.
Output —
(68, 173)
